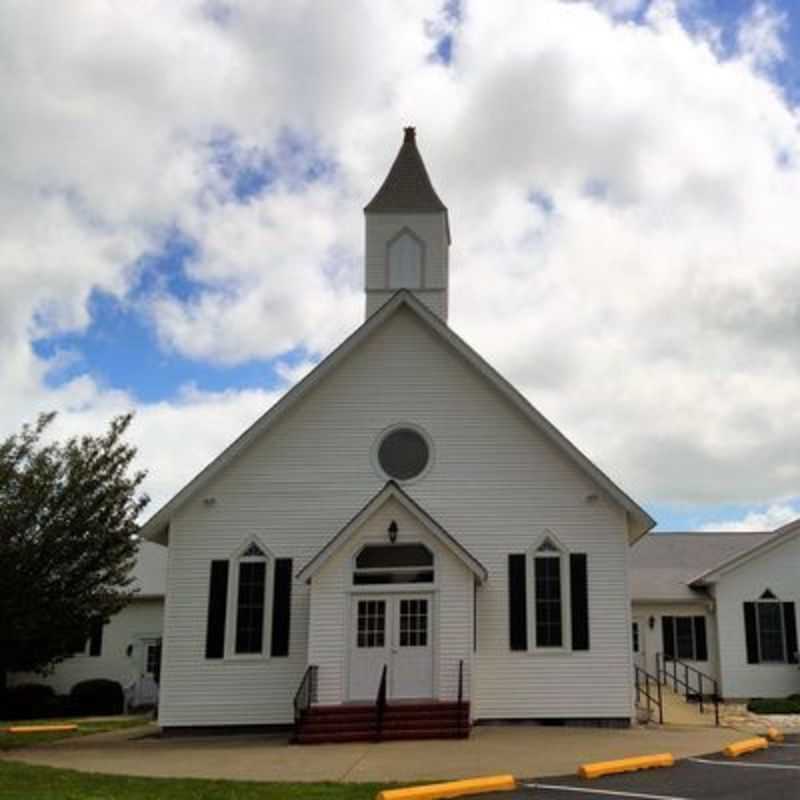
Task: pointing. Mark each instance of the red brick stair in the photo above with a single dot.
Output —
(358, 723)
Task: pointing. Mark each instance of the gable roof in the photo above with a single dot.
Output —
(639, 521)
(779, 537)
(663, 564)
(389, 491)
(407, 186)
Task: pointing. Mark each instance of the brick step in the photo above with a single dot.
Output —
(357, 722)
(391, 708)
(310, 726)
(334, 719)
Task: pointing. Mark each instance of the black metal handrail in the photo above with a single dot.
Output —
(306, 693)
(688, 690)
(380, 705)
(642, 679)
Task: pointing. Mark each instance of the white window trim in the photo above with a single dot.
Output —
(566, 629)
(231, 613)
(400, 425)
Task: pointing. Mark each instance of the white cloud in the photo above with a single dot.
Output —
(773, 517)
(652, 319)
(759, 35)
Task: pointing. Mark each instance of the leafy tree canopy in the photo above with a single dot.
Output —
(68, 514)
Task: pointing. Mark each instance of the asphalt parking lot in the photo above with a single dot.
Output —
(772, 774)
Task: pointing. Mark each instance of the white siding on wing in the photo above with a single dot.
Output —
(778, 570)
(495, 484)
(652, 641)
(140, 620)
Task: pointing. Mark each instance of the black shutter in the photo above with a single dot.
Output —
(790, 624)
(668, 636)
(751, 633)
(700, 642)
(517, 602)
(579, 601)
(282, 607)
(217, 602)
(96, 637)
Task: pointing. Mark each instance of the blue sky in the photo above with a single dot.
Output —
(194, 268)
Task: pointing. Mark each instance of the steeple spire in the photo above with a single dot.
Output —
(407, 186)
(408, 234)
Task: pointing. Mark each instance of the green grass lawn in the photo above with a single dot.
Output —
(44, 783)
(11, 741)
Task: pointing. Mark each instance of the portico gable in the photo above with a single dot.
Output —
(392, 589)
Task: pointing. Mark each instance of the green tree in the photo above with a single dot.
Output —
(68, 514)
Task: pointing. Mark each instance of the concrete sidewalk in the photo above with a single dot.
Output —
(522, 750)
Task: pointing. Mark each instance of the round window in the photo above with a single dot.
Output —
(403, 454)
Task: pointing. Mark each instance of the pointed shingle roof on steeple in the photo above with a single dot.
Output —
(407, 186)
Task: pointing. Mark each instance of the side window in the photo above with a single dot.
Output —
(635, 636)
(251, 592)
(684, 638)
(548, 603)
(405, 262)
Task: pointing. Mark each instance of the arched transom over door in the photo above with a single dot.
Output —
(392, 625)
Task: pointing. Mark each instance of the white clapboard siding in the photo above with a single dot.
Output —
(779, 570)
(496, 484)
(140, 619)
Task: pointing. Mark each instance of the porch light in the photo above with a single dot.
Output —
(392, 530)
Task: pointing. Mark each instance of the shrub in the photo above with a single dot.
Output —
(776, 705)
(31, 701)
(96, 697)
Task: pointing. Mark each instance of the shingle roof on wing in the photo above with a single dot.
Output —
(662, 564)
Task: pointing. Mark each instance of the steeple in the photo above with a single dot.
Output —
(407, 234)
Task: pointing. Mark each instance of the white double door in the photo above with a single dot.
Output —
(395, 631)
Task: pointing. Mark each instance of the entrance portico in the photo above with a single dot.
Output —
(391, 590)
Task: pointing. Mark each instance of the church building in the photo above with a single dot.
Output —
(402, 545)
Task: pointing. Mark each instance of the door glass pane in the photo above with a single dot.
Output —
(371, 623)
(684, 638)
(770, 632)
(414, 623)
(153, 659)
